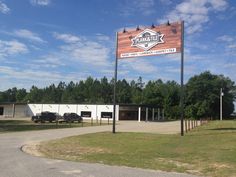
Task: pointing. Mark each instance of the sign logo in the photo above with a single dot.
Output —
(147, 39)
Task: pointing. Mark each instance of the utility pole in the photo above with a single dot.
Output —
(221, 99)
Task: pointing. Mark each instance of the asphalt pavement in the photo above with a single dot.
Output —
(15, 163)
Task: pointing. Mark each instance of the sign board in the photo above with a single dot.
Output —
(163, 39)
(85, 114)
(106, 115)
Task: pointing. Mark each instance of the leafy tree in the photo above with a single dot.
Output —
(203, 95)
(137, 91)
(123, 92)
(34, 96)
(20, 95)
(106, 95)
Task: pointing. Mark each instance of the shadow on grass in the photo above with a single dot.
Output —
(24, 125)
(161, 120)
(224, 129)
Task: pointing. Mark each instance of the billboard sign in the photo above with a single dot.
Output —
(156, 40)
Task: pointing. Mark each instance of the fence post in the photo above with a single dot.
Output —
(189, 125)
(91, 121)
(186, 126)
(56, 123)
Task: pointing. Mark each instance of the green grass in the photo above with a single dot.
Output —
(28, 125)
(208, 150)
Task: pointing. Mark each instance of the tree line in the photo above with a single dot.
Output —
(202, 94)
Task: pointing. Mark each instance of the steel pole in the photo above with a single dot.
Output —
(221, 104)
(114, 94)
(182, 79)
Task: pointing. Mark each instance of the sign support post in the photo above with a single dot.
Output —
(155, 40)
(221, 110)
(182, 80)
(114, 94)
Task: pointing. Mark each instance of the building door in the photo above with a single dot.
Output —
(1, 111)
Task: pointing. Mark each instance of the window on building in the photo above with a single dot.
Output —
(1, 111)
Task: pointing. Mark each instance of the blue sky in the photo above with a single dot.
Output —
(48, 41)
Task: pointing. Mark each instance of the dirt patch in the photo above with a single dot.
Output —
(32, 149)
(177, 163)
(79, 150)
(220, 165)
(41, 150)
(188, 167)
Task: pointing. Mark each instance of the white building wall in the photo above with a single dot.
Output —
(8, 111)
(103, 108)
(33, 109)
(117, 112)
(90, 108)
(63, 108)
(50, 107)
(21, 111)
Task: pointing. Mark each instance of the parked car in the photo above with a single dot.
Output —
(46, 117)
(72, 117)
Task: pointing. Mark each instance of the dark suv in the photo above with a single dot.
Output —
(71, 117)
(46, 117)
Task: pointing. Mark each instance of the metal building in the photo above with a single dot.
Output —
(87, 111)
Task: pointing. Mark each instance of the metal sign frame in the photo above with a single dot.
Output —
(148, 54)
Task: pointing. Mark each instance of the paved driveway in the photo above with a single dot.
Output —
(15, 163)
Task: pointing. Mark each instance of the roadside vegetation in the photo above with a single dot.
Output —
(209, 150)
(27, 125)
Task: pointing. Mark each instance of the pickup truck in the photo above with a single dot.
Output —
(46, 117)
(72, 117)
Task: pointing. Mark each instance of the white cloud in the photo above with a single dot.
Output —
(225, 38)
(40, 2)
(229, 44)
(230, 66)
(232, 46)
(195, 13)
(102, 37)
(144, 7)
(68, 38)
(166, 2)
(92, 53)
(18, 77)
(49, 61)
(218, 5)
(29, 35)
(138, 65)
(11, 48)
(3, 8)
(84, 50)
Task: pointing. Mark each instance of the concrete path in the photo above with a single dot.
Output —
(15, 163)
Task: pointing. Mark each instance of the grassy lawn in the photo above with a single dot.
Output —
(26, 125)
(208, 150)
